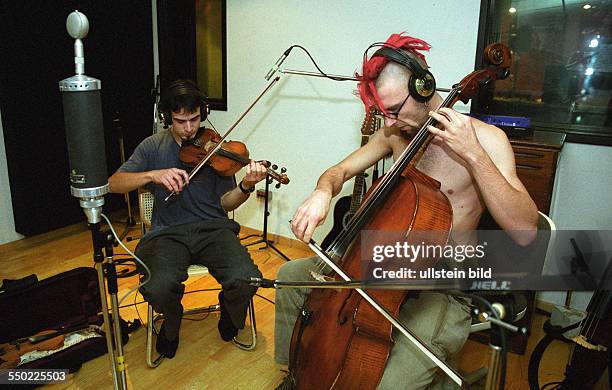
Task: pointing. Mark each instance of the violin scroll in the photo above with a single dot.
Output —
(281, 178)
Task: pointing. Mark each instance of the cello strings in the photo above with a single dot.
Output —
(586, 321)
(596, 305)
(597, 300)
(387, 182)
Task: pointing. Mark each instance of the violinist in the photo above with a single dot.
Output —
(474, 163)
(192, 227)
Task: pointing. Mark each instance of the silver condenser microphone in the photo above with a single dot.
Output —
(84, 127)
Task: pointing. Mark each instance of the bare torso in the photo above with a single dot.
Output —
(456, 182)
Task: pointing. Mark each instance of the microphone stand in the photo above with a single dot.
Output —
(264, 235)
(89, 184)
(155, 94)
(336, 77)
(496, 370)
(105, 266)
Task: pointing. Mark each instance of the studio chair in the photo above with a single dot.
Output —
(145, 203)
(515, 304)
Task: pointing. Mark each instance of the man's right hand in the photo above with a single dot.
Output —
(310, 214)
(172, 178)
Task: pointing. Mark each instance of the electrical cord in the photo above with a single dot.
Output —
(315, 63)
(536, 356)
(266, 299)
(147, 271)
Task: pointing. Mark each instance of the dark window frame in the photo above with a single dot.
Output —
(599, 135)
(177, 45)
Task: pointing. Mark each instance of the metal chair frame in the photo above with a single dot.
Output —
(145, 204)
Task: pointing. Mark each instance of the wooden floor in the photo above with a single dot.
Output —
(203, 360)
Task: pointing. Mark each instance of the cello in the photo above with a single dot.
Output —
(342, 338)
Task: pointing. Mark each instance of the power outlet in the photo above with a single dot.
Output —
(262, 194)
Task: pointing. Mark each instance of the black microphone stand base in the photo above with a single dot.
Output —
(264, 235)
(268, 244)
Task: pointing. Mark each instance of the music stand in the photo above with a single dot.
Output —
(264, 235)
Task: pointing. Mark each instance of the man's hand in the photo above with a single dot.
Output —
(255, 172)
(457, 133)
(310, 214)
(172, 178)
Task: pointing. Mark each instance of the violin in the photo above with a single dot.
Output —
(10, 353)
(342, 338)
(226, 160)
(46, 340)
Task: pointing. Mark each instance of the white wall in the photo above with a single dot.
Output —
(307, 124)
(582, 200)
(7, 222)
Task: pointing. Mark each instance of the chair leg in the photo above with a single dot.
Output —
(150, 324)
(253, 327)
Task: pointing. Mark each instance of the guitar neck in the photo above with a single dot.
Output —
(358, 188)
(358, 191)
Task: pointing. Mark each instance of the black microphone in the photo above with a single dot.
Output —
(84, 127)
(278, 63)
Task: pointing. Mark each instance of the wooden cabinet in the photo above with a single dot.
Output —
(536, 164)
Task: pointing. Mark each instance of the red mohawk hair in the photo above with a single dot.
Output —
(373, 66)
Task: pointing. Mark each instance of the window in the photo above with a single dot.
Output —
(210, 50)
(561, 65)
(192, 44)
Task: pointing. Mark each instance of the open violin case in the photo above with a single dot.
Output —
(68, 302)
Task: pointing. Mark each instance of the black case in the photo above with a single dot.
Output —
(64, 300)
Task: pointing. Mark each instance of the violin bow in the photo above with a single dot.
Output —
(197, 168)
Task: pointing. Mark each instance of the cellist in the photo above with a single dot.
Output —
(474, 163)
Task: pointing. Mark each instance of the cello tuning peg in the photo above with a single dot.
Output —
(274, 166)
(277, 185)
(283, 170)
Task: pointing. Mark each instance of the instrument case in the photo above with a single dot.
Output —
(69, 299)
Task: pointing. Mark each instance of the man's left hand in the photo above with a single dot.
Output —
(255, 172)
(457, 133)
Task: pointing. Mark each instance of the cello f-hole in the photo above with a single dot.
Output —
(342, 316)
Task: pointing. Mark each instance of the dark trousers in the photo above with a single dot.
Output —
(214, 244)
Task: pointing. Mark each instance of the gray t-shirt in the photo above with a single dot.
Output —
(199, 200)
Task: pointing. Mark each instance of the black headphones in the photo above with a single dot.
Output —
(421, 85)
(177, 89)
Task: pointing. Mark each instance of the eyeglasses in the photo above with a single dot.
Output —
(395, 114)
